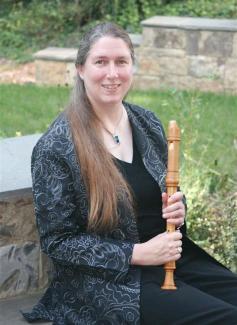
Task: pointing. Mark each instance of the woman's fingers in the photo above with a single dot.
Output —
(164, 200)
(171, 203)
(164, 247)
(173, 208)
(176, 197)
(178, 206)
(175, 249)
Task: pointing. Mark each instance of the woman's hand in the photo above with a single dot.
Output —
(173, 208)
(160, 249)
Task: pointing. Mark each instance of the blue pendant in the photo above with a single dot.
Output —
(116, 139)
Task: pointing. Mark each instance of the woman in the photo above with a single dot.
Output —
(101, 208)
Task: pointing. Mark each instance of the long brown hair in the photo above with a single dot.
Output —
(104, 183)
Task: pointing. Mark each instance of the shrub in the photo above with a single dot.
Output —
(201, 8)
(212, 213)
(211, 196)
(25, 27)
(29, 25)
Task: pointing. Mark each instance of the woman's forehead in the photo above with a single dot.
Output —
(108, 45)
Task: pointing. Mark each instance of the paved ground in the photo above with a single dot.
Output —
(9, 310)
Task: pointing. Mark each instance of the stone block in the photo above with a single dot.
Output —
(56, 54)
(218, 44)
(176, 81)
(148, 36)
(155, 53)
(208, 85)
(230, 78)
(163, 38)
(170, 38)
(191, 83)
(144, 82)
(234, 52)
(17, 221)
(70, 73)
(192, 41)
(174, 66)
(148, 66)
(156, 63)
(205, 67)
(51, 72)
(19, 265)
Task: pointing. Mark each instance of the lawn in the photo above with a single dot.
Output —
(208, 124)
(27, 109)
(208, 121)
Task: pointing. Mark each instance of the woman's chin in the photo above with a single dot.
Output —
(112, 100)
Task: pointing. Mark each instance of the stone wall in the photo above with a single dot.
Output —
(180, 52)
(188, 53)
(23, 268)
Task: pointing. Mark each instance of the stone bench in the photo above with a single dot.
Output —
(23, 268)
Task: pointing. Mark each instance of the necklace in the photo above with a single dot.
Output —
(114, 134)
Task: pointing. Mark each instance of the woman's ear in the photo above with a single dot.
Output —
(80, 71)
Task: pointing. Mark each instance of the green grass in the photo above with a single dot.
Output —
(29, 109)
(207, 121)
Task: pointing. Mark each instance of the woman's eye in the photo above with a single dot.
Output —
(122, 62)
(100, 62)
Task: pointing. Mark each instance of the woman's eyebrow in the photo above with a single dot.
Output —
(106, 57)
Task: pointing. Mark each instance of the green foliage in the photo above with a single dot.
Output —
(127, 13)
(38, 23)
(212, 212)
(201, 8)
(211, 195)
(29, 25)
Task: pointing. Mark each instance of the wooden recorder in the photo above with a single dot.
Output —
(172, 182)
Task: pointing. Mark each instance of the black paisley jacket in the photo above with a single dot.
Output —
(93, 281)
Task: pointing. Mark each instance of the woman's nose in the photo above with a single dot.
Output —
(112, 70)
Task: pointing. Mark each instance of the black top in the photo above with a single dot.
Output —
(147, 196)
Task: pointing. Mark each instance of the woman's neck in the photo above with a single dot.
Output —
(109, 116)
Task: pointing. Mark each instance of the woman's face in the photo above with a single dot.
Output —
(107, 72)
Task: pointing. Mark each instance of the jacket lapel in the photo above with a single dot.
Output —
(151, 152)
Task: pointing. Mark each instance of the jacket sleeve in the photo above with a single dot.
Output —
(59, 225)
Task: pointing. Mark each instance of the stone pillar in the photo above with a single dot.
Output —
(55, 66)
(188, 53)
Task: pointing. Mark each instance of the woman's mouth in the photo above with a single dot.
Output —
(111, 86)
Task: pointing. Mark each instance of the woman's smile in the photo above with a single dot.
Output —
(111, 86)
